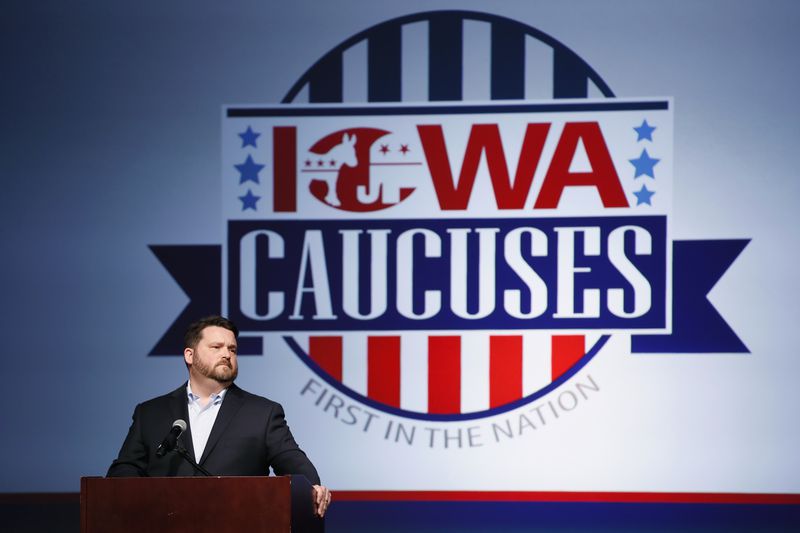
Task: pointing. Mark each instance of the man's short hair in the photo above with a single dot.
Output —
(195, 331)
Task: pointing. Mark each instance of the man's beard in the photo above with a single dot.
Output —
(220, 372)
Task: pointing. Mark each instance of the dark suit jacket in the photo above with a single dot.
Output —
(249, 435)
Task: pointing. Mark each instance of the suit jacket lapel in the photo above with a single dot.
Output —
(230, 406)
(179, 408)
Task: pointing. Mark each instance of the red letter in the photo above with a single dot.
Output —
(483, 138)
(603, 175)
(284, 168)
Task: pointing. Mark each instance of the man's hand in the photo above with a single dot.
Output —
(322, 499)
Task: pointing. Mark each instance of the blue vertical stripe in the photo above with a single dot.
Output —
(325, 83)
(570, 75)
(384, 65)
(445, 57)
(508, 61)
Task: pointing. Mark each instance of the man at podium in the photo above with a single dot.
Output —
(209, 425)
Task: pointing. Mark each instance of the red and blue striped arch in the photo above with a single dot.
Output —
(324, 354)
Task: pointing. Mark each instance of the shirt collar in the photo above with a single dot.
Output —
(215, 398)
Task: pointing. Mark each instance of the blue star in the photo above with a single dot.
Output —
(644, 165)
(643, 132)
(249, 137)
(643, 196)
(249, 200)
(249, 170)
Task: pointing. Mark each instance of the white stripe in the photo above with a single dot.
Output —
(537, 364)
(302, 96)
(304, 342)
(538, 70)
(590, 338)
(477, 60)
(414, 63)
(414, 372)
(354, 73)
(593, 91)
(354, 362)
(474, 371)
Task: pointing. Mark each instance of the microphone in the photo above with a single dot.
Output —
(169, 442)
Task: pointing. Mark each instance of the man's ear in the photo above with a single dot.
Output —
(188, 355)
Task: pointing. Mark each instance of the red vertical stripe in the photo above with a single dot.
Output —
(284, 168)
(505, 369)
(566, 351)
(327, 353)
(383, 370)
(444, 375)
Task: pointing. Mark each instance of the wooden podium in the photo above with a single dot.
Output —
(198, 505)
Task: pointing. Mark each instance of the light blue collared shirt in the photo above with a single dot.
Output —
(202, 417)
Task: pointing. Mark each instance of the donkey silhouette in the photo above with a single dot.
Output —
(340, 155)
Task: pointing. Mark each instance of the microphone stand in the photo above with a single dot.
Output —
(180, 450)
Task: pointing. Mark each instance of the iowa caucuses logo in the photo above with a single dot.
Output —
(437, 257)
